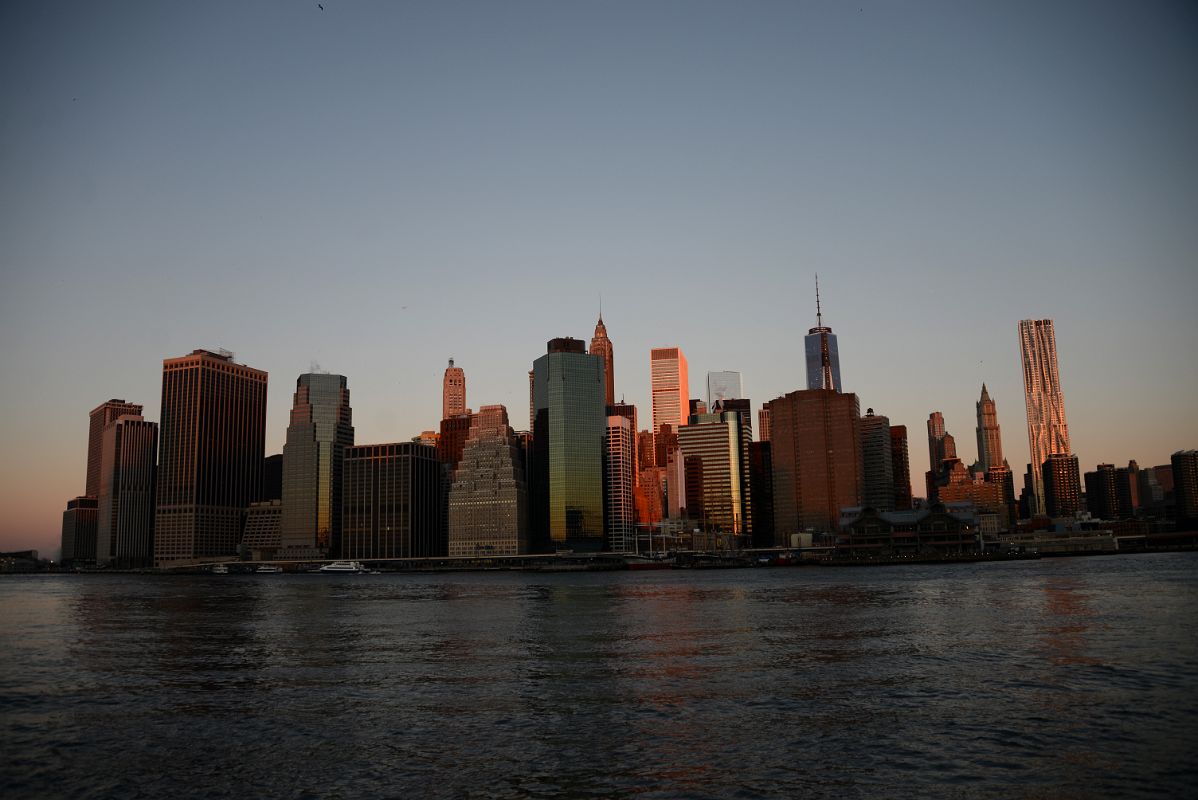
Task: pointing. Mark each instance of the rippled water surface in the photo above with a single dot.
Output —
(1057, 678)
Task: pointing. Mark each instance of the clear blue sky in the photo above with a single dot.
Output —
(380, 186)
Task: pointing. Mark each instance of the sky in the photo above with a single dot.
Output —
(374, 188)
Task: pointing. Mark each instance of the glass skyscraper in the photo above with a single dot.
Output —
(568, 435)
(813, 344)
(723, 386)
(321, 428)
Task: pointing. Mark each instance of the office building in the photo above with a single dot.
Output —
(823, 357)
(272, 478)
(989, 433)
(668, 383)
(127, 500)
(936, 434)
(1102, 496)
(393, 502)
(568, 434)
(628, 411)
(453, 392)
(761, 493)
(320, 429)
(877, 477)
(488, 501)
(723, 386)
(900, 467)
(1047, 431)
(715, 466)
(79, 532)
(264, 530)
(1062, 485)
(98, 420)
(211, 449)
(763, 423)
(816, 449)
(619, 484)
(601, 346)
(1185, 488)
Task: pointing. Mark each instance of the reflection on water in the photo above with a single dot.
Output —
(1054, 678)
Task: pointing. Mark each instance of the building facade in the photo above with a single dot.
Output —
(725, 385)
(669, 384)
(877, 476)
(392, 502)
(211, 449)
(263, 530)
(716, 463)
(619, 484)
(1047, 430)
(320, 429)
(568, 435)
(1062, 485)
(900, 467)
(816, 450)
(98, 420)
(453, 391)
(488, 501)
(601, 346)
(127, 500)
(1185, 488)
(79, 532)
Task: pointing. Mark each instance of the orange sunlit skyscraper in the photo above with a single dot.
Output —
(669, 383)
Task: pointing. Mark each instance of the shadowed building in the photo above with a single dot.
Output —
(1185, 488)
(601, 346)
(128, 463)
(321, 428)
(79, 532)
(98, 420)
(392, 502)
(816, 449)
(488, 501)
(877, 478)
(263, 530)
(272, 478)
(763, 423)
(900, 467)
(211, 446)
(619, 483)
(453, 392)
(1047, 431)
(761, 493)
(568, 448)
(1102, 496)
(1062, 485)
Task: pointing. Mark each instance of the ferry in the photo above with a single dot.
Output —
(220, 569)
(268, 569)
(343, 566)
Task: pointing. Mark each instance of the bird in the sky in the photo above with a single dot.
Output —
(318, 5)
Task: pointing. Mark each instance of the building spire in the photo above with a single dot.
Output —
(819, 317)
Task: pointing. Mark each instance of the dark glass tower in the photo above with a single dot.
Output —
(320, 430)
(568, 434)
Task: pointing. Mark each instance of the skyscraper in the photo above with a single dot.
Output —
(568, 448)
(900, 467)
(670, 388)
(1185, 488)
(816, 449)
(393, 502)
(211, 445)
(488, 502)
(989, 434)
(714, 449)
(1047, 431)
(619, 483)
(823, 358)
(1102, 496)
(321, 428)
(79, 532)
(1062, 485)
(98, 419)
(763, 423)
(723, 386)
(128, 462)
(453, 391)
(936, 434)
(601, 346)
(877, 490)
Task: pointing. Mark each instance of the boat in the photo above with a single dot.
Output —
(343, 566)
(220, 569)
(639, 562)
(268, 569)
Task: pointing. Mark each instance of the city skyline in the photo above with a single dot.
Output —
(948, 171)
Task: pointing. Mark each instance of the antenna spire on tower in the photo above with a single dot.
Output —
(819, 317)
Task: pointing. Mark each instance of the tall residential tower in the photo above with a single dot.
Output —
(1047, 431)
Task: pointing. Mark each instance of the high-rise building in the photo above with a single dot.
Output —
(900, 467)
(716, 461)
(212, 440)
(877, 477)
(936, 434)
(1062, 485)
(761, 493)
(601, 346)
(669, 386)
(1127, 487)
(272, 478)
(628, 410)
(619, 483)
(723, 386)
(79, 532)
(763, 423)
(816, 449)
(98, 420)
(488, 501)
(392, 502)
(989, 434)
(320, 429)
(452, 439)
(1047, 431)
(568, 431)
(263, 530)
(1185, 488)
(128, 463)
(453, 391)
(1102, 498)
(695, 406)
(823, 358)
